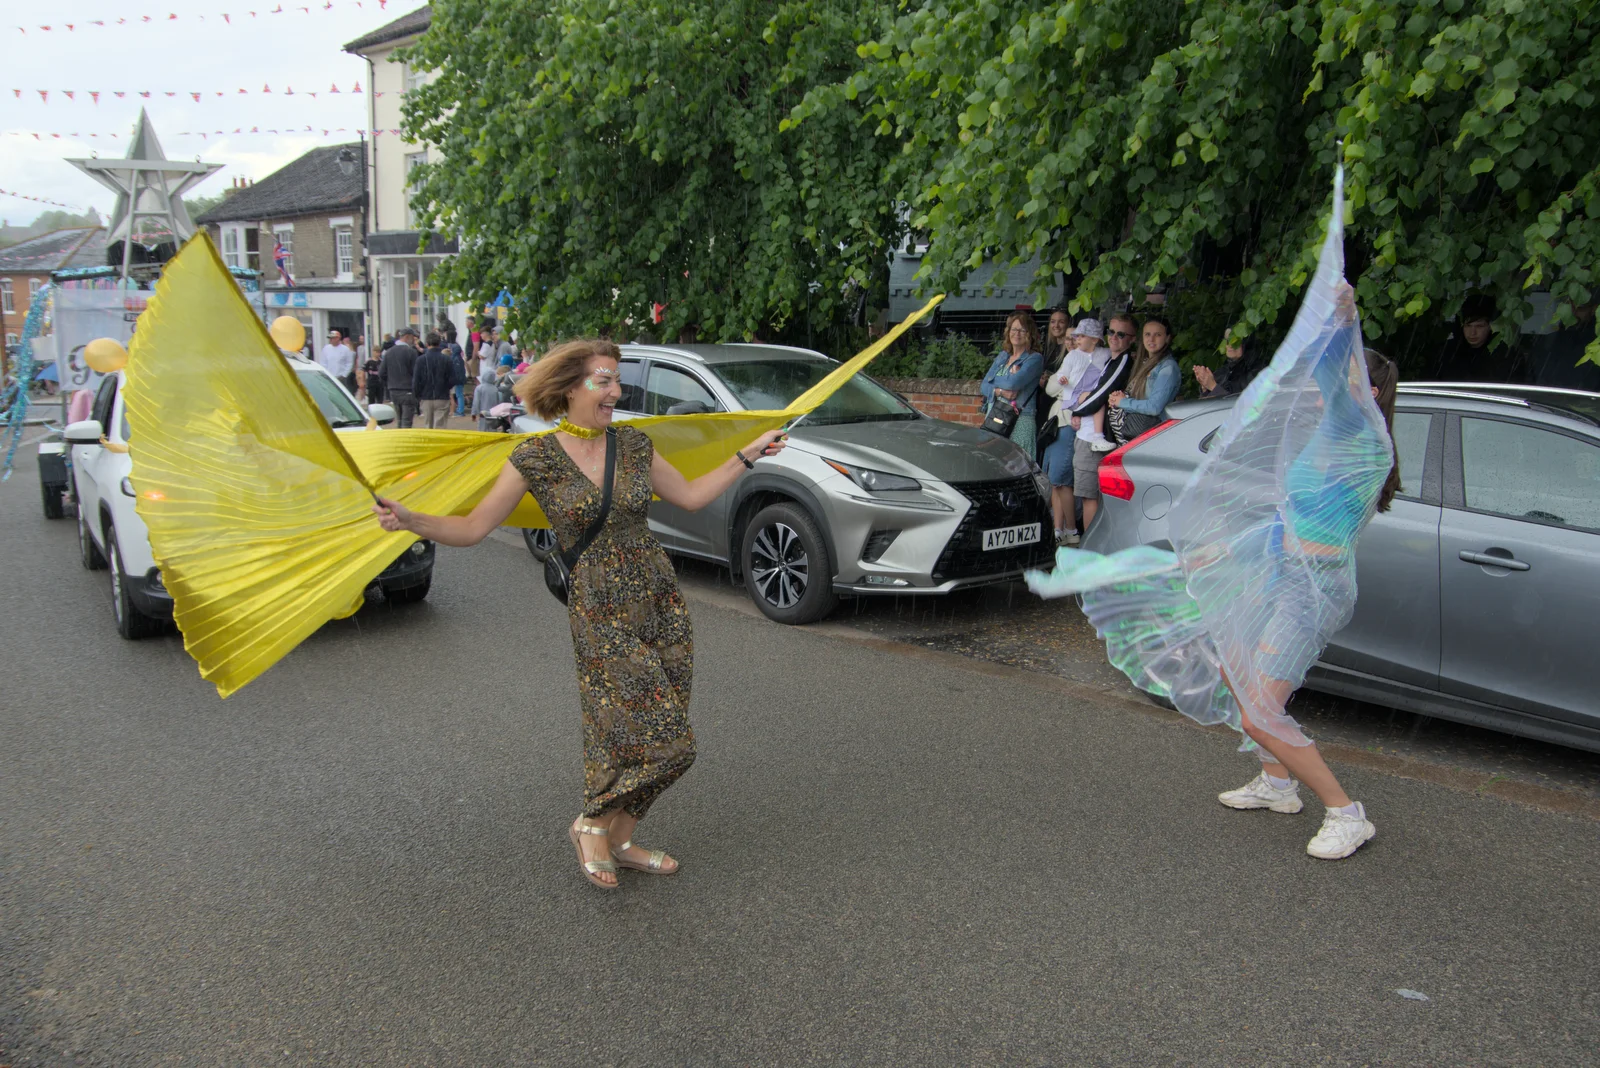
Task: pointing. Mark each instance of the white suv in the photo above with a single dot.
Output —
(112, 535)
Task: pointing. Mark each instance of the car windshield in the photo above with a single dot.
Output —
(771, 385)
(335, 406)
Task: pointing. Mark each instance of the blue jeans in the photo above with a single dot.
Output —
(458, 394)
(1058, 458)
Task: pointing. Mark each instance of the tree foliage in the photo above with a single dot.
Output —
(1140, 142)
(600, 156)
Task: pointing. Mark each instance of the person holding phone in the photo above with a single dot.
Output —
(630, 628)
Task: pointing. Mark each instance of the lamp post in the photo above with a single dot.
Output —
(347, 166)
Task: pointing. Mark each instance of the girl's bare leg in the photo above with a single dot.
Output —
(1302, 762)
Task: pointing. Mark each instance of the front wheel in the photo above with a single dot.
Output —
(131, 623)
(541, 542)
(787, 569)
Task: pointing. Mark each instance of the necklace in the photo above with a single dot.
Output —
(566, 426)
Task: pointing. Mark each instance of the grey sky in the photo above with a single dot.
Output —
(298, 49)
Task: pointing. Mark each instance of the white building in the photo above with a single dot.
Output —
(399, 273)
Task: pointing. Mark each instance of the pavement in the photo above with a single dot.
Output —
(888, 857)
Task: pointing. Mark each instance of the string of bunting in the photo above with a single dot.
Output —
(196, 97)
(41, 200)
(225, 16)
(40, 135)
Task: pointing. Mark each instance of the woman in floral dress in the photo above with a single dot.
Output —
(630, 628)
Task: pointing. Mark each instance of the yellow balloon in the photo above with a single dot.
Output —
(105, 354)
(288, 332)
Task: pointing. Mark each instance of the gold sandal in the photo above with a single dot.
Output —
(592, 868)
(651, 866)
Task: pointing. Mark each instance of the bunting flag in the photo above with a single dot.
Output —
(260, 515)
(41, 200)
(275, 131)
(195, 95)
(227, 17)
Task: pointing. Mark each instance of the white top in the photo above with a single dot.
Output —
(338, 359)
(1073, 365)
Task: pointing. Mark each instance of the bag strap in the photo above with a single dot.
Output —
(593, 532)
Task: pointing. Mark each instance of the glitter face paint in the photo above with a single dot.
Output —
(601, 380)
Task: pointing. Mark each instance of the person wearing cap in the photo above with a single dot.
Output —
(1081, 370)
(337, 359)
(399, 366)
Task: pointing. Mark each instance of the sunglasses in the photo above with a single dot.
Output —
(1119, 333)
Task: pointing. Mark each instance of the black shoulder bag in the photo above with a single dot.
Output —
(558, 565)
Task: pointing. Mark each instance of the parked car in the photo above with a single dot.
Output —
(871, 496)
(112, 535)
(1477, 589)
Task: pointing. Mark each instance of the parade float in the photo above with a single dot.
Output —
(84, 305)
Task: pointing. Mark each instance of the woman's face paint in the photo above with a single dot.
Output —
(593, 404)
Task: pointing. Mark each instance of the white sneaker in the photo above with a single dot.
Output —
(1102, 445)
(1259, 793)
(1341, 835)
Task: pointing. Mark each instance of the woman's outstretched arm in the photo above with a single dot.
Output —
(495, 508)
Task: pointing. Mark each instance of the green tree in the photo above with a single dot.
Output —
(601, 156)
(1136, 143)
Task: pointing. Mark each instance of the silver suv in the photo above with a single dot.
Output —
(871, 496)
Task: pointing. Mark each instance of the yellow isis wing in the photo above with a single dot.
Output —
(260, 516)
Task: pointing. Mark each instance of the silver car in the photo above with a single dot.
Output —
(1477, 589)
(870, 496)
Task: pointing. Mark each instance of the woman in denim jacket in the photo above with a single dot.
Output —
(1152, 385)
(1014, 376)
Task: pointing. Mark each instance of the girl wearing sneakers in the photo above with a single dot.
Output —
(1262, 571)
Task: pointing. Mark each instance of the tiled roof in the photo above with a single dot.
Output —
(314, 182)
(404, 26)
(83, 246)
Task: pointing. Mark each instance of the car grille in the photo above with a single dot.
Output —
(963, 555)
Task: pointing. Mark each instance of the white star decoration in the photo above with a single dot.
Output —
(148, 186)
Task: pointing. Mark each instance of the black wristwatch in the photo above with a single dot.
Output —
(740, 454)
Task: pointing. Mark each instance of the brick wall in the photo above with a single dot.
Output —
(955, 399)
(313, 245)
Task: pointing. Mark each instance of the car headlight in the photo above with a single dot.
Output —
(418, 548)
(873, 481)
(1041, 480)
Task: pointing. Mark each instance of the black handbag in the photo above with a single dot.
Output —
(1136, 423)
(558, 565)
(1001, 417)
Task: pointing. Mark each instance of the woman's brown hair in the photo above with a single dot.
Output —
(1026, 319)
(543, 390)
(1385, 378)
(1144, 361)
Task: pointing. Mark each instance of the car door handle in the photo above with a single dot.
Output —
(1494, 559)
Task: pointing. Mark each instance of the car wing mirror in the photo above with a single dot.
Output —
(382, 414)
(83, 432)
(690, 407)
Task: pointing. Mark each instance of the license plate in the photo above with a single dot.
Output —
(1010, 537)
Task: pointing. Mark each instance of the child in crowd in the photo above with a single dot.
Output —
(1081, 372)
(486, 396)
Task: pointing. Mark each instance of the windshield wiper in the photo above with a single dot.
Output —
(338, 423)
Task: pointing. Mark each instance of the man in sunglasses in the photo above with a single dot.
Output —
(1120, 334)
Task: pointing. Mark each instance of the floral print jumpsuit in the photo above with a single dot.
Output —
(630, 627)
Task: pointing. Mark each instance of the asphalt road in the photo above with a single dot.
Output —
(1005, 624)
(888, 859)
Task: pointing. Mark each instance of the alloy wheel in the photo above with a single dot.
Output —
(779, 565)
(114, 562)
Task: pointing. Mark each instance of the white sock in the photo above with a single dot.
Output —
(1353, 810)
(1277, 783)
